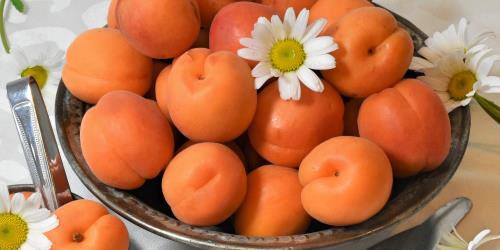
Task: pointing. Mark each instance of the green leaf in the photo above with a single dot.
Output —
(19, 5)
(490, 107)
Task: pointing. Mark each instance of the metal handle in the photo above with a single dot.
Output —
(38, 142)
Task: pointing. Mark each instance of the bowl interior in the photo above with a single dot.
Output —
(147, 208)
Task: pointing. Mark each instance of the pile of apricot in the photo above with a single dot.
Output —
(173, 98)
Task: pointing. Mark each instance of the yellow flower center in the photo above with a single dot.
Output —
(461, 84)
(13, 231)
(38, 72)
(287, 55)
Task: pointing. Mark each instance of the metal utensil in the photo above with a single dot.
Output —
(427, 235)
(38, 142)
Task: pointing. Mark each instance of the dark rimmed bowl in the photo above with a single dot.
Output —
(30, 188)
(146, 207)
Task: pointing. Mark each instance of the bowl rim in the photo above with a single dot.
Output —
(253, 242)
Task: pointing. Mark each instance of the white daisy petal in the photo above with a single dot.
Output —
(322, 62)
(475, 49)
(252, 54)
(36, 215)
(4, 198)
(486, 65)
(491, 84)
(34, 201)
(38, 240)
(481, 38)
(260, 81)
(310, 79)
(300, 26)
(473, 62)
(45, 225)
(289, 86)
(320, 45)
(314, 29)
(261, 69)
(444, 96)
(429, 54)
(253, 44)
(437, 83)
(263, 33)
(418, 63)
(27, 246)
(277, 28)
(17, 203)
(289, 20)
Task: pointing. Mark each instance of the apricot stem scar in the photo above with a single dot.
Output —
(77, 237)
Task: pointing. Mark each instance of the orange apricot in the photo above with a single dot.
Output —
(374, 52)
(232, 145)
(210, 95)
(236, 21)
(208, 9)
(351, 116)
(284, 132)
(125, 140)
(85, 224)
(112, 23)
(272, 206)
(204, 184)
(158, 28)
(346, 181)
(88, 73)
(333, 10)
(282, 5)
(410, 124)
(161, 90)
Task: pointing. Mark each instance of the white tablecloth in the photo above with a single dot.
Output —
(479, 174)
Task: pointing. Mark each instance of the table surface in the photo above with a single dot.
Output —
(477, 178)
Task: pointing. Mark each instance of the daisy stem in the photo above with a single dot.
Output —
(3, 34)
(490, 107)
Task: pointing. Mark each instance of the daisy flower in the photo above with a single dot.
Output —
(453, 241)
(23, 222)
(456, 79)
(289, 50)
(458, 68)
(42, 61)
(453, 39)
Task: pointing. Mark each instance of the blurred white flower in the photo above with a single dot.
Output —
(23, 222)
(42, 61)
(453, 241)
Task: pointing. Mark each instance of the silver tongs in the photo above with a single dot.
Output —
(38, 142)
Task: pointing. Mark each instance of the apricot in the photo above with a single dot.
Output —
(351, 116)
(125, 140)
(346, 181)
(272, 206)
(333, 10)
(85, 224)
(211, 95)
(204, 184)
(284, 132)
(282, 5)
(209, 8)
(158, 28)
(232, 145)
(112, 23)
(100, 61)
(161, 90)
(410, 124)
(236, 21)
(374, 52)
